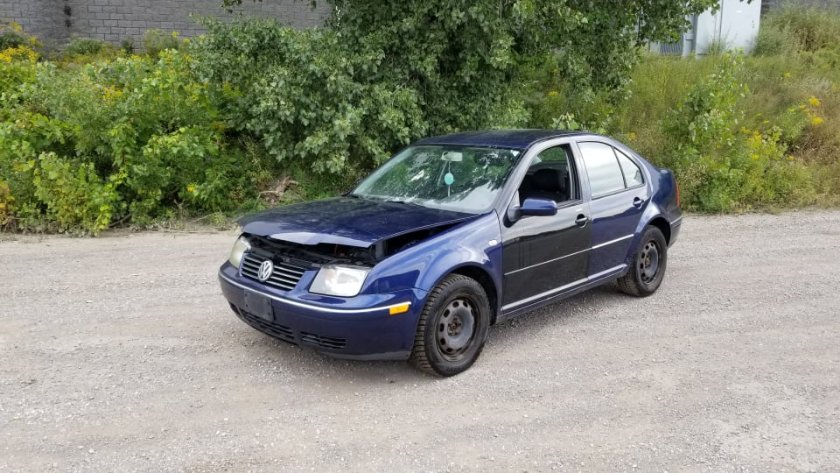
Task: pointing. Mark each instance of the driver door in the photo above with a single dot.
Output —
(543, 255)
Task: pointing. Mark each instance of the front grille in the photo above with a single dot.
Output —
(324, 342)
(285, 276)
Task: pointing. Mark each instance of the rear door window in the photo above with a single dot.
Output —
(605, 175)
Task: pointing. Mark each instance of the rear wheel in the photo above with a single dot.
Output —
(453, 327)
(648, 267)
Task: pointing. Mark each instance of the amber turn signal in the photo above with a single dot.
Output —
(399, 308)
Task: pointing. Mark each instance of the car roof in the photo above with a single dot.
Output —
(519, 139)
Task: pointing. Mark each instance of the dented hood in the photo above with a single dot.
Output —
(346, 221)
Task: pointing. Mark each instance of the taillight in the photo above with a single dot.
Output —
(677, 185)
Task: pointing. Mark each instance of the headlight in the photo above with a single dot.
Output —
(239, 248)
(345, 281)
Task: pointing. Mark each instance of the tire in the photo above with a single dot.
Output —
(452, 328)
(647, 270)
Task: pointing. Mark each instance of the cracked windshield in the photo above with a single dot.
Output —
(458, 178)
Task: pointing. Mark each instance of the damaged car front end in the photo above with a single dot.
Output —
(348, 276)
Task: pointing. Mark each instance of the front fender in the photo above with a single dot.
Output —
(425, 264)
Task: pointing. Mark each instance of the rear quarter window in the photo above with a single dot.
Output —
(632, 172)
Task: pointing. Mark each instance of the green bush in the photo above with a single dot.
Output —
(13, 36)
(73, 194)
(134, 136)
(774, 40)
(308, 100)
(87, 47)
(155, 41)
(723, 168)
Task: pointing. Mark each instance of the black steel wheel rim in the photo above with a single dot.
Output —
(456, 328)
(649, 262)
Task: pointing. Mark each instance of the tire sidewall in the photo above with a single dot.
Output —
(461, 288)
(651, 234)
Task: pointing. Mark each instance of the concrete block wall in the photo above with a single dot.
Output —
(57, 21)
(42, 18)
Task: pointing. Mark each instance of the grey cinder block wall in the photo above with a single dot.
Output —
(57, 21)
(42, 18)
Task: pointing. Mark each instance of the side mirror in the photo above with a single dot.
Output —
(538, 207)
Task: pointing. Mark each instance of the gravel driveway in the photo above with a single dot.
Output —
(119, 354)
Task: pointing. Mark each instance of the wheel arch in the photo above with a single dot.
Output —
(484, 278)
(663, 226)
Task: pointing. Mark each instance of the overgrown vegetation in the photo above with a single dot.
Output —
(254, 114)
(755, 132)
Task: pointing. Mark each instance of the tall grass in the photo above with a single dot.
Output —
(784, 127)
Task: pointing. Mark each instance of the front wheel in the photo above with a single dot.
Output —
(648, 266)
(452, 328)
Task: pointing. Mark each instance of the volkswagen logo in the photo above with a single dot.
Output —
(266, 268)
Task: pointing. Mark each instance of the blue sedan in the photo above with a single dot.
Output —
(452, 235)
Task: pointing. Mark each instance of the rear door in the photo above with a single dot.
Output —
(544, 254)
(618, 196)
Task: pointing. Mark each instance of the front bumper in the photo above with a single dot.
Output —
(356, 328)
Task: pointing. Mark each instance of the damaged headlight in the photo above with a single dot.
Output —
(345, 281)
(239, 248)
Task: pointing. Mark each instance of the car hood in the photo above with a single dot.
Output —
(346, 221)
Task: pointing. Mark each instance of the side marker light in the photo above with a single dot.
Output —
(399, 309)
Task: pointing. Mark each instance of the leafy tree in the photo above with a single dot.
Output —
(466, 59)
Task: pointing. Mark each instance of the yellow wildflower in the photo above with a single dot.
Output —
(817, 121)
(191, 188)
(18, 53)
(109, 94)
(553, 93)
(814, 102)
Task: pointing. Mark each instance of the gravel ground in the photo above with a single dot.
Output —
(119, 354)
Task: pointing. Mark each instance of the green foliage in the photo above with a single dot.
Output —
(87, 47)
(6, 202)
(121, 140)
(10, 39)
(255, 113)
(799, 29)
(155, 41)
(73, 194)
(127, 46)
(464, 59)
(17, 68)
(709, 115)
(13, 36)
(723, 166)
(305, 97)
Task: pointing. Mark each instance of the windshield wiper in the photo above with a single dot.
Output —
(405, 202)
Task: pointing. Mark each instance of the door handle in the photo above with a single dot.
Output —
(637, 202)
(581, 220)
